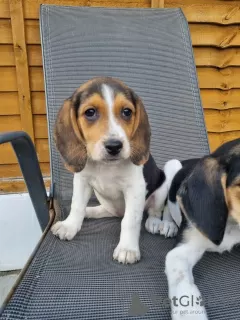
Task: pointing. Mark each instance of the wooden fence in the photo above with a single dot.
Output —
(215, 32)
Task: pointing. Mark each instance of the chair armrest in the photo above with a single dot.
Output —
(28, 161)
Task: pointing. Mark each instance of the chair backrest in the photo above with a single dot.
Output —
(149, 49)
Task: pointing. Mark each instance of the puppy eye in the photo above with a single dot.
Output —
(91, 114)
(126, 113)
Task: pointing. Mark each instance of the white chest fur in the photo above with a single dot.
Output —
(110, 180)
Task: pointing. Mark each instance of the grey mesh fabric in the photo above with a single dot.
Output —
(151, 51)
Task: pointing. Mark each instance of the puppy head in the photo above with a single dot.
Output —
(210, 194)
(103, 120)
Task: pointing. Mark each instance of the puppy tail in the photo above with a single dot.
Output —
(171, 168)
(156, 202)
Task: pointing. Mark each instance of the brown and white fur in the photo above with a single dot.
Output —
(208, 192)
(103, 134)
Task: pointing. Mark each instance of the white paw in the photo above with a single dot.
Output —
(168, 229)
(64, 230)
(126, 256)
(152, 224)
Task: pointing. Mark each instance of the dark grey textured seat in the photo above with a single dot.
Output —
(151, 51)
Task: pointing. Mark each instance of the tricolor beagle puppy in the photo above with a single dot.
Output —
(103, 134)
(208, 193)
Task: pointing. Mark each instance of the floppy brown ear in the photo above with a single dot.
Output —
(140, 141)
(68, 137)
(202, 199)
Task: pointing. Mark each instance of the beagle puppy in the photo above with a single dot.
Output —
(204, 201)
(103, 135)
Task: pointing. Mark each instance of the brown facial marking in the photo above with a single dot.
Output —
(93, 131)
(233, 199)
(120, 103)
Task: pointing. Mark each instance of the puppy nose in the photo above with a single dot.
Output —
(113, 146)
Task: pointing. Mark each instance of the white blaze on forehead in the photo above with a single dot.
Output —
(114, 128)
(108, 96)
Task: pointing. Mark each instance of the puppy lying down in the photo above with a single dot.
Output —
(103, 134)
(207, 191)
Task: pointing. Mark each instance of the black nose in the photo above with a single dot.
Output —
(113, 146)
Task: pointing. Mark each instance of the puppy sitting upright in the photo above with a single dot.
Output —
(103, 134)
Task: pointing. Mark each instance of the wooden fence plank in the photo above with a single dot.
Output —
(5, 31)
(214, 57)
(18, 32)
(222, 121)
(9, 103)
(13, 170)
(120, 4)
(8, 79)
(42, 150)
(38, 103)
(13, 122)
(17, 185)
(36, 79)
(157, 3)
(10, 106)
(7, 57)
(7, 155)
(220, 99)
(34, 55)
(220, 12)
(217, 139)
(223, 79)
(186, 3)
(40, 126)
(4, 9)
(10, 123)
(31, 8)
(215, 36)
(32, 32)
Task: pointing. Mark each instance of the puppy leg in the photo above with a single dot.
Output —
(155, 206)
(98, 212)
(185, 297)
(167, 226)
(175, 212)
(68, 228)
(127, 250)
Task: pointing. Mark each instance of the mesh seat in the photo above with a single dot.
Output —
(150, 50)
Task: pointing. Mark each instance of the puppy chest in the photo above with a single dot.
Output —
(108, 187)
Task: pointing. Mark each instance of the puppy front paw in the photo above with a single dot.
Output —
(167, 228)
(125, 256)
(152, 224)
(64, 230)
